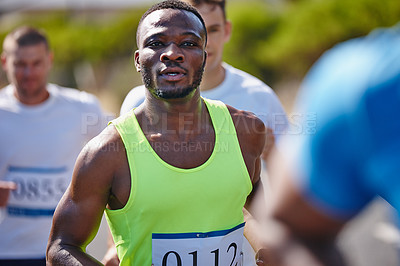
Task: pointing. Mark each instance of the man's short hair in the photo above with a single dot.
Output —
(172, 4)
(25, 36)
(220, 3)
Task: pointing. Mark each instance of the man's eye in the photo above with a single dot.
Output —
(155, 44)
(213, 29)
(19, 64)
(189, 44)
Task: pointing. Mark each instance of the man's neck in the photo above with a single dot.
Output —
(176, 126)
(212, 78)
(177, 115)
(33, 99)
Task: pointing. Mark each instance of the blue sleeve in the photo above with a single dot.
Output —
(331, 159)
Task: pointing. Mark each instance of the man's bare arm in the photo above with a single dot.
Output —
(111, 256)
(252, 135)
(78, 215)
(295, 232)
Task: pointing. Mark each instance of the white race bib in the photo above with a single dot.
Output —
(217, 248)
(38, 190)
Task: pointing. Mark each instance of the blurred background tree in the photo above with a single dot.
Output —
(275, 40)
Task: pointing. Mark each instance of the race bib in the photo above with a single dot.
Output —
(217, 248)
(38, 190)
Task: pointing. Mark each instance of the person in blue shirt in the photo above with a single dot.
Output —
(325, 175)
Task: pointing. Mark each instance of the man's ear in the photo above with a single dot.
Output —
(51, 58)
(228, 31)
(136, 59)
(3, 61)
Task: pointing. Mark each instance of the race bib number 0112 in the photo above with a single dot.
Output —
(216, 248)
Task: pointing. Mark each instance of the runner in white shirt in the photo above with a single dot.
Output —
(43, 128)
(228, 84)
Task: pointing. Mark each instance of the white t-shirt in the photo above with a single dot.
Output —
(39, 146)
(244, 92)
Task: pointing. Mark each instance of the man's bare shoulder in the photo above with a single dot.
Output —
(105, 141)
(103, 151)
(246, 122)
(249, 128)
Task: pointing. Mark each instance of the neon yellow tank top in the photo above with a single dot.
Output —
(167, 199)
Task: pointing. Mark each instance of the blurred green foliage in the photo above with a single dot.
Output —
(275, 43)
(272, 40)
(86, 36)
(104, 39)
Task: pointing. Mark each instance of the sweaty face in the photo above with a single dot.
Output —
(27, 67)
(171, 53)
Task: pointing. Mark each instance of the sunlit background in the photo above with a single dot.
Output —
(275, 40)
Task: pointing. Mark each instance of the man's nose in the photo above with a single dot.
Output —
(27, 70)
(172, 53)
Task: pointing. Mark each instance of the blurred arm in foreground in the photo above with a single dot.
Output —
(346, 153)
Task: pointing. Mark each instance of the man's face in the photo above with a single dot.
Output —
(171, 53)
(218, 31)
(27, 68)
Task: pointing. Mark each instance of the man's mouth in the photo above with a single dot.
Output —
(173, 74)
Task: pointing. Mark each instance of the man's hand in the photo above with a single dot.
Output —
(5, 188)
(111, 257)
